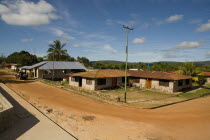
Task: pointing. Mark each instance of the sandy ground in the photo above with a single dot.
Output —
(93, 120)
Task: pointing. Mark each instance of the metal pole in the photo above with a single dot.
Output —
(126, 64)
(53, 68)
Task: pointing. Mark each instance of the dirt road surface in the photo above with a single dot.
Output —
(184, 121)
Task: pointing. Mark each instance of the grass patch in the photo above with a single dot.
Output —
(203, 91)
(55, 83)
(136, 97)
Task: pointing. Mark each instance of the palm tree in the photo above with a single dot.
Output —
(56, 50)
(188, 68)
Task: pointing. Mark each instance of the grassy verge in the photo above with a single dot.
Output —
(135, 97)
(88, 93)
(203, 91)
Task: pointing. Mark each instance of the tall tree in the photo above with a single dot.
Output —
(83, 60)
(56, 50)
(22, 58)
(189, 68)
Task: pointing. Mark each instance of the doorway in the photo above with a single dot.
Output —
(148, 83)
(114, 82)
(80, 81)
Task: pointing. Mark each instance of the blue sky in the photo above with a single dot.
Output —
(164, 30)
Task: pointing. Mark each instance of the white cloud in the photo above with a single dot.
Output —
(3, 9)
(174, 18)
(61, 33)
(26, 40)
(25, 13)
(69, 19)
(139, 40)
(204, 27)
(76, 45)
(186, 45)
(170, 19)
(109, 49)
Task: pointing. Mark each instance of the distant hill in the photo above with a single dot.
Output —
(201, 63)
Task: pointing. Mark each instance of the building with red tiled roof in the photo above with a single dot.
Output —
(207, 74)
(101, 79)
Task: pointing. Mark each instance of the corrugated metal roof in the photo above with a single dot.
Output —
(61, 65)
(34, 66)
(26, 67)
(38, 64)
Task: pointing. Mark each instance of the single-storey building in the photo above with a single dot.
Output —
(207, 74)
(101, 79)
(11, 66)
(53, 69)
(161, 81)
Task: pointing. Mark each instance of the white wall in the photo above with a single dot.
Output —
(73, 83)
(156, 86)
(86, 86)
(173, 85)
(208, 79)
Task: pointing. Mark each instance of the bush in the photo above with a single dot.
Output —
(31, 75)
(201, 80)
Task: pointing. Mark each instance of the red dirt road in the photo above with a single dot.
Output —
(187, 120)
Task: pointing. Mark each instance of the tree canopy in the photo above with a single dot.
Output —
(189, 68)
(56, 51)
(83, 60)
(22, 58)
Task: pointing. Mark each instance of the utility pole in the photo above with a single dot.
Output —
(126, 64)
(53, 74)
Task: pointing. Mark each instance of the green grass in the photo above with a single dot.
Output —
(134, 94)
(56, 83)
(203, 91)
(136, 97)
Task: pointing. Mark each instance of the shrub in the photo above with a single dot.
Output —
(201, 80)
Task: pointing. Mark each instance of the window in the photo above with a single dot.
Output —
(164, 83)
(180, 83)
(89, 81)
(187, 82)
(101, 81)
(75, 79)
(123, 79)
(135, 79)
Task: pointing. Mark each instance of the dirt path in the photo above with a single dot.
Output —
(187, 120)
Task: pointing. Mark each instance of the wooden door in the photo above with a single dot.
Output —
(114, 82)
(148, 83)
